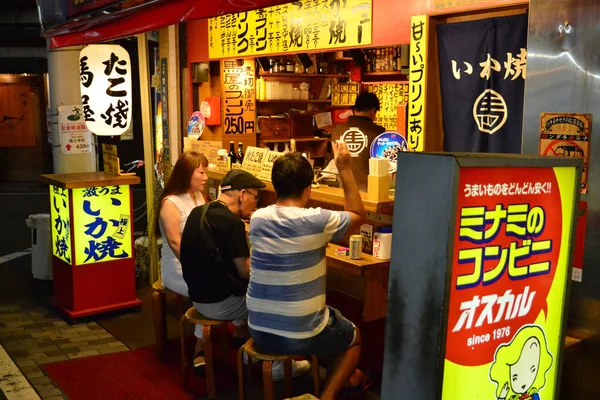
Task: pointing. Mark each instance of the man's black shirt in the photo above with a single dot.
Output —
(206, 283)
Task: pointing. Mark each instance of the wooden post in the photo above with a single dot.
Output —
(144, 67)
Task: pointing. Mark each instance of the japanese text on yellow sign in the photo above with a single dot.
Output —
(61, 223)
(238, 97)
(508, 283)
(294, 27)
(390, 95)
(418, 77)
(102, 224)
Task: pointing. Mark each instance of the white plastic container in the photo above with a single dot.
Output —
(382, 243)
(41, 248)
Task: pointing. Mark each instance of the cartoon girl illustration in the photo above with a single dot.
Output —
(520, 367)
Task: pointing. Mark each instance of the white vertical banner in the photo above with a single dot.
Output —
(105, 75)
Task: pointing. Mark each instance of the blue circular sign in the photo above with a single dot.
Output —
(388, 145)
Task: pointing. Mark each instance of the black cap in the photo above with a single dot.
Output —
(238, 179)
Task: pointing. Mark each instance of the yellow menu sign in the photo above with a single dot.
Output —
(419, 28)
(390, 95)
(293, 27)
(61, 223)
(102, 224)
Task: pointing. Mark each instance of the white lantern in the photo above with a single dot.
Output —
(105, 75)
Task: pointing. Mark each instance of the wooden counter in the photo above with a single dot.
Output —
(330, 195)
(88, 179)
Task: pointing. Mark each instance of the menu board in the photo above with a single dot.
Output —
(253, 160)
(304, 25)
(110, 159)
(267, 166)
(390, 95)
(207, 147)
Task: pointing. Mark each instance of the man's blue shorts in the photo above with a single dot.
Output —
(334, 339)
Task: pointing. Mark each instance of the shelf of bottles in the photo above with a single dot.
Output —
(386, 61)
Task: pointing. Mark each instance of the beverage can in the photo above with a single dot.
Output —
(355, 247)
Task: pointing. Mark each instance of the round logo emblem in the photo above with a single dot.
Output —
(196, 125)
(490, 111)
(356, 141)
(388, 145)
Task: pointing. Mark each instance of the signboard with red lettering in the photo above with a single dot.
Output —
(510, 269)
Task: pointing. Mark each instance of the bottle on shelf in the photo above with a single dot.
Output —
(239, 158)
(231, 156)
(293, 145)
(373, 61)
(289, 66)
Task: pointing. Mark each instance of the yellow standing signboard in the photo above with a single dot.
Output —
(103, 224)
(293, 27)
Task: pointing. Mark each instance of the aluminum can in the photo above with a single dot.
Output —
(355, 247)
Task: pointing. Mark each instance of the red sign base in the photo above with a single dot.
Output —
(90, 289)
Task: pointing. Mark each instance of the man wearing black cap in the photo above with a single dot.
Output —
(215, 257)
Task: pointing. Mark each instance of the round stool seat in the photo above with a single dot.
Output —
(250, 349)
(194, 317)
(158, 287)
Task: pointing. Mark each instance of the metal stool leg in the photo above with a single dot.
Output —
(267, 367)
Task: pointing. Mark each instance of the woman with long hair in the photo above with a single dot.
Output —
(182, 193)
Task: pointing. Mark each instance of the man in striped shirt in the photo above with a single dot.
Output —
(287, 313)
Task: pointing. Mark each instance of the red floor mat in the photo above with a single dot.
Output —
(134, 374)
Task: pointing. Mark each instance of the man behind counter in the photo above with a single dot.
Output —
(358, 133)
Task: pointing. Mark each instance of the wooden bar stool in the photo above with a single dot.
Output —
(159, 306)
(267, 368)
(193, 317)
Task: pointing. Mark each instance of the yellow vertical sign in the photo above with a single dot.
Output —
(61, 223)
(303, 25)
(239, 99)
(103, 224)
(419, 30)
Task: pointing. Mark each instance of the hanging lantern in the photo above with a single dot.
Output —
(105, 75)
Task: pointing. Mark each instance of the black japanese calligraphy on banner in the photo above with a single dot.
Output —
(105, 75)
(164, 93)
(297, 26)
(482, 74)
(239, 100)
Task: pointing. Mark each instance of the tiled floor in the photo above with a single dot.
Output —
(33, 335)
